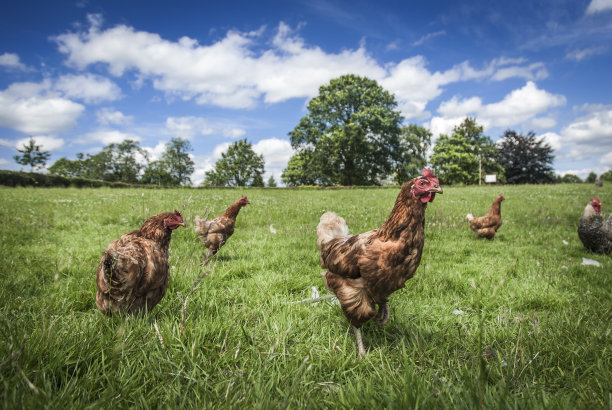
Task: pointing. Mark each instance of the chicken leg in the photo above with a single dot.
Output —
(360, 348)
(383, 315)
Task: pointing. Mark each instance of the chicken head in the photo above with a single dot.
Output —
(426, 186)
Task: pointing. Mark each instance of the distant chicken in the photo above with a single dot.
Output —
(364, 270)
(486, 226)
(133, 273)
(595, 234)
(214, 233)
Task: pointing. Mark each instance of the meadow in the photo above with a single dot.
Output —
(516, 322)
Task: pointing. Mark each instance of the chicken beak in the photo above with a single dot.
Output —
(436, 189)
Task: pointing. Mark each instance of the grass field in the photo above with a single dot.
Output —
(517, 322)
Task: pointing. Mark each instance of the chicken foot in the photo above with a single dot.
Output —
(360, 348)
(383, 315)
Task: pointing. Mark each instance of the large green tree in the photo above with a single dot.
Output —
(463, 156)
(67, 168)
(173, 168)
(238, 166)
(525, 159)
(180, 164)
(414, 143)
(350, 136)
(302, 170)
(32, 155)
(124, 164)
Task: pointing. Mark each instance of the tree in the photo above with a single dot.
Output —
(570, 179)
(238, 166)
(606, 176)
(465, 155)
(302, 170)
(123, 162)
(414, 143)
(32, 155)
(157, 173)
(591, 178)
(271, 182)
(180, 166)
(525, 159)
(257, 181)
(67, 168)
(350, 136)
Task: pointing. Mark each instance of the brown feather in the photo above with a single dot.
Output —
(133, 274)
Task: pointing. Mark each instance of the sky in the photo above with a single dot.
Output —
(79, 75)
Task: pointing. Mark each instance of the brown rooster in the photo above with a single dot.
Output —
(133, 273)
(214, 233)
(594, 233)
(486, 226)
(363, 270)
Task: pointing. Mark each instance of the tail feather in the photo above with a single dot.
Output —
(470, 217)
(330, 226)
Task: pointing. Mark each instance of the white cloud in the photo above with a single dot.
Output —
(46, 143)
(188, 127)
(34, 108)
(234, 133)
(106, 137)
(235, 72)
(543, 122)
(552, 139)
(276, 154)
(598, 6)
(88, 87)
(11, 61)
(579, 55)
(428, 37)
(157, 151)
(110, 116)
(517, 107)
(204, 163)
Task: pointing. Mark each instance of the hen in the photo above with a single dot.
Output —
(133, 273)
(595, 234)
(214, 233)
(486, 226)
(363, 270)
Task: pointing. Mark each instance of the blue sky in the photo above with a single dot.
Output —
(80, 75)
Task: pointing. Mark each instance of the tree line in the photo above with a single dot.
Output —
(353, 134)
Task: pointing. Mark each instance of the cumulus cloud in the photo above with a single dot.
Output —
(106, 137)
(188, 127)
(11, 61)
(110, 116)
(598, 6)
(276, 154)
(517, 107)
(35, 108)
(46, 143)
(88, 87)
(238, 72)
(591, 134)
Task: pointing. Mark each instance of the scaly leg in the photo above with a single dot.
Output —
(383, 315)
(360, 348)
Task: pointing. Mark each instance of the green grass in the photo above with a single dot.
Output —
(535, 332)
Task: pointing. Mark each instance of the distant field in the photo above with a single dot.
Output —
(516, 322)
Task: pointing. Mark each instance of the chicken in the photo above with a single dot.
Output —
(595, 234)
(133, 273)
(364, 270)
(214, 233)
(486, 226)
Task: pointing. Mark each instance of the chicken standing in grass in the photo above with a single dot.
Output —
(486, 226)
(363, 270)
(133, 273)
(595, 234)
(214, 233)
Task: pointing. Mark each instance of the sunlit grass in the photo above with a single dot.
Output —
(513, 322)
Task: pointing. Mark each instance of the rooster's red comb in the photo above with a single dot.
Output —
(427, 173)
